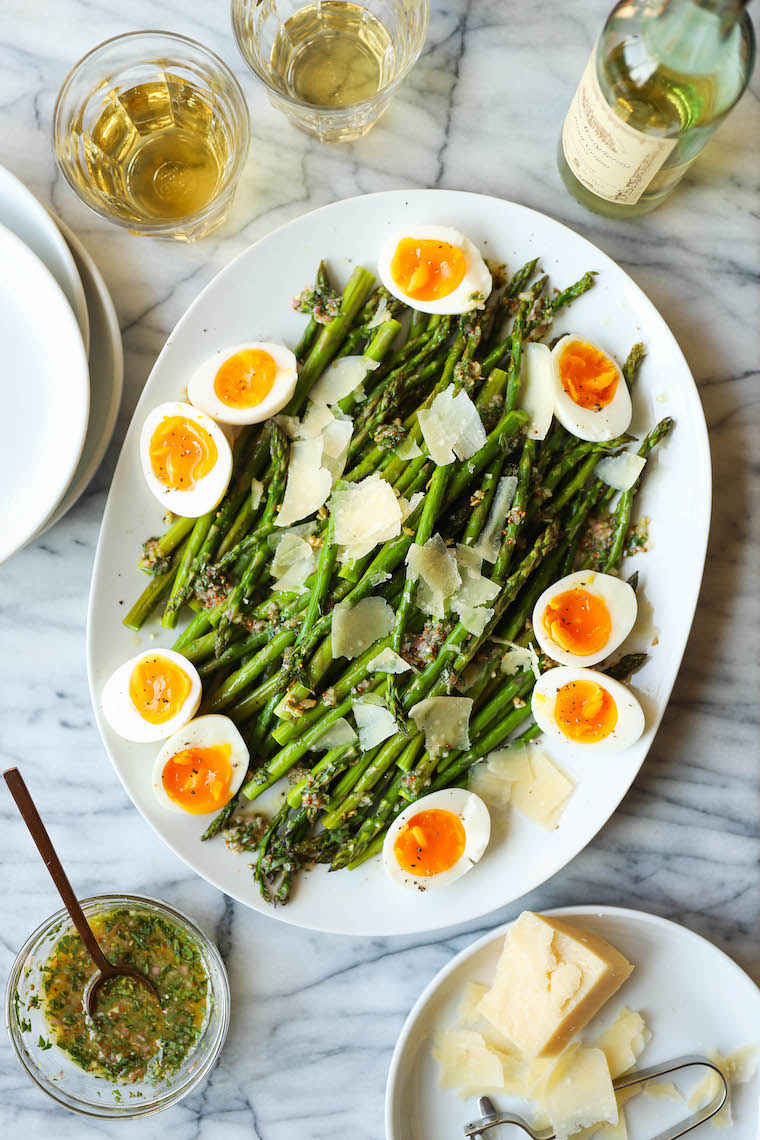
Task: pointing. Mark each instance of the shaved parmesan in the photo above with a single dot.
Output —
(408, 449)
(444, 722)
(355, 628)
(475, 618)
(737, 1067)
(374, 721)
(451, 427)
(579, 1092)
(518, 658)
(494, 788)
(661, 1090)
(339, 733)
(336, 436)
(467, 1063)
(340, 378)
(537, 388)
(380, 316)
(308, 482)
(623, 1042)
(388, 662)
(293, 562)
(257, 492)
(539, 789)
(409, 506)
(364, 514)
(620, 471)
(489, 543)
(467, 1014)
(434, 566)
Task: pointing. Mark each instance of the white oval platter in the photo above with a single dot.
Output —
(250, 299)
(692, 996)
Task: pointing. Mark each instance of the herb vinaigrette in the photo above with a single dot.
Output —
(130, 1038)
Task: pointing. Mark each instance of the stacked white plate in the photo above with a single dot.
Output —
(62, 367)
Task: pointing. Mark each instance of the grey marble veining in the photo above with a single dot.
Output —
(315, 1018)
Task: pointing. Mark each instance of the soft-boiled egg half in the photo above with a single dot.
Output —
(435, 269)
(200, 768)
(437, 839)
(586, 708)
(592, 400)
(584, 617)
(245, 384)
(152, 695)
(186, 459)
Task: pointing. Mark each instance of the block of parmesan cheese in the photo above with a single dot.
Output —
(550, 980)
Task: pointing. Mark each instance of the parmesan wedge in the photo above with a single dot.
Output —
(294, 560)
(340, 379)
(338, 734)
(365, 513)
(451, 427)
(308, 482)
(489, 543)
(435, 567)
(539, 789)
(374, 721)
(388, 661)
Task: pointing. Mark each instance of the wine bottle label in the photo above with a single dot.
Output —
(610, 158)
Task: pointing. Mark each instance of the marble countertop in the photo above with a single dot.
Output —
(315, 1018)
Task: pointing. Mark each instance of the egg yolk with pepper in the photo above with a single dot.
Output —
(585, 712)
(426, 270)
(198, 779)
(158, 688)
(430, 842)
(588, 375)
(246, 378)
(182, 452)
(578, 622)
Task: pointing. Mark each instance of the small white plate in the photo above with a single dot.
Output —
(28, 219)
(106, 375)
(693, 997)
(46, 393)
(251, 299)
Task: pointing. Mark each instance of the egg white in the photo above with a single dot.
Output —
(630, 720)
(620, 599)
(585, 423)
(119, 709)
(201, 394)
(477, 829)
(203, 732)
(208, 491)
(477, 278)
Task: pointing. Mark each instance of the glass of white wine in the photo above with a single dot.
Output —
(332, 66)
(151, 130)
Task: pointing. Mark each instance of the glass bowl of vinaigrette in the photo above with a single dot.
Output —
(135, 1058)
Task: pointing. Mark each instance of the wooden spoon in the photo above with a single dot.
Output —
(105, 969)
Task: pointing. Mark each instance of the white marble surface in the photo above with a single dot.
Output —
(315, 1018)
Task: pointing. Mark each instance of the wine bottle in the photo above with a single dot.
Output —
(662, 76)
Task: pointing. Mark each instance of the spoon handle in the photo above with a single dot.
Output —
(31, 817)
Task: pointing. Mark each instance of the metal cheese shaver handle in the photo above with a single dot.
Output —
(491, 1118)
(38, 832)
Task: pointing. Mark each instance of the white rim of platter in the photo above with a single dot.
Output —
(46, 393)
(250, 299)
(106, 376)
(22, 213)
(693, 997)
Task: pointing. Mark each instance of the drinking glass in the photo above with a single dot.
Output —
(151, 130)
(263, 25)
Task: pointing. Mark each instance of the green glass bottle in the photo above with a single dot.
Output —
(662, 76)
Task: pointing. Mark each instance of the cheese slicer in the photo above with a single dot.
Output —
(490, 1118)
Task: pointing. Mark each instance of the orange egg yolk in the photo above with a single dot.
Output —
(588, 376)
(578, 622)
(181, 453)
(158, 688)
(430, 842)
(585, 712)
(198, 779)
(246, 378)
(427, 270)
